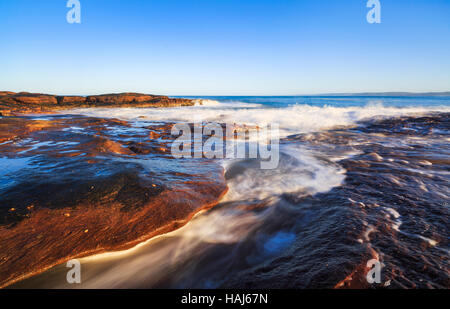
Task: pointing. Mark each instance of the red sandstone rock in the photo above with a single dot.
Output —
(94, 201)
(70, 99)
(24, 102)
(32, 98)
(6, 93)
(123, 98)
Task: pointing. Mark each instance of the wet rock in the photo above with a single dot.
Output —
(70, 193)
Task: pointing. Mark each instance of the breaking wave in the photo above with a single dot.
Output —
(292, 119)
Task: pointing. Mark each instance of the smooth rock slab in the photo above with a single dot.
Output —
(91, 185)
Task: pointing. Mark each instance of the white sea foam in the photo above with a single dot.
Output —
(430, 241)
(299, 170)
(143, 263)
(292, 119)
(204, 102)
(395, 217)
(228, 104)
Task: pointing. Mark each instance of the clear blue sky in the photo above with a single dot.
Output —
(224, 47)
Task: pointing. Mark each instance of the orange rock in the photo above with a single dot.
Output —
(25, 102)
(122, 98)
(154, 135)
(70, 99)
(34, 99)
(108, 212)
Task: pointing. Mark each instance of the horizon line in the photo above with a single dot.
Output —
(363, 93)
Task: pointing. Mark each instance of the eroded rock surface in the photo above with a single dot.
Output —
(75, 186)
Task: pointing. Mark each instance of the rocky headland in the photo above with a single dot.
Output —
(12, 103)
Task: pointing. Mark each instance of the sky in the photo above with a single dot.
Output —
(224, 47)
